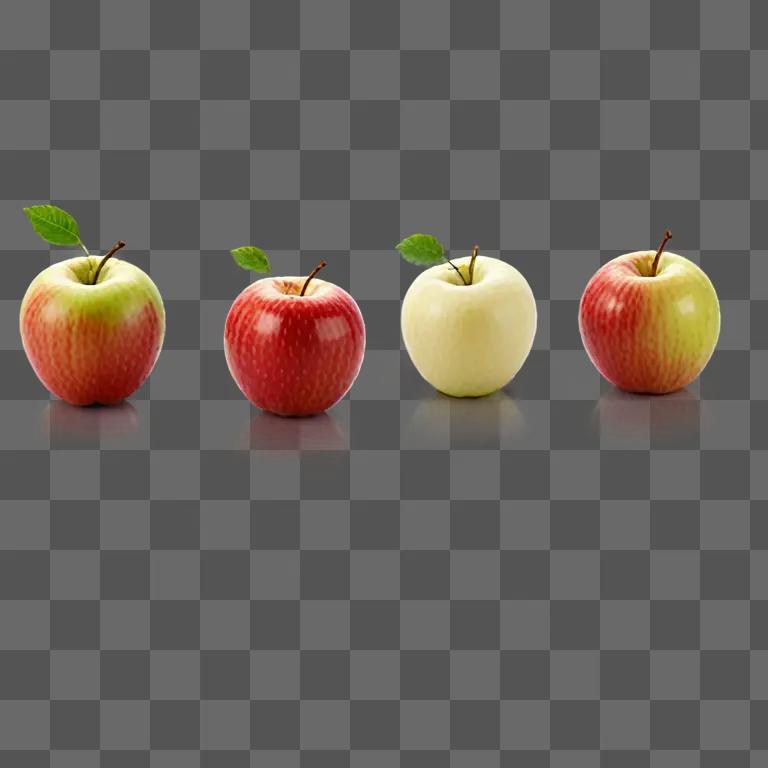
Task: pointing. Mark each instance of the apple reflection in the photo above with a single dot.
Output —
(464, 423)
(672, 421)
(324, 431)
(87, 425)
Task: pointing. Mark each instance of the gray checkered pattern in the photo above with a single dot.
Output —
(558, 575)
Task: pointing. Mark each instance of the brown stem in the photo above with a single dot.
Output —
(108, 255)
(475, 251)
(458, 271)
(655, 265)
(311, 275)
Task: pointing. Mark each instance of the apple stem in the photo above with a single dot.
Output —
(475, 251)
(458, 271)
(655, 265)
(311, 275)
(108, 255)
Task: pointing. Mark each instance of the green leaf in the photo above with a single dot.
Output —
(251, 257)
(423, 250)
(54, 225)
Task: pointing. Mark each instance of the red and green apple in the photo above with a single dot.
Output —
(650, 320)
(91, 326)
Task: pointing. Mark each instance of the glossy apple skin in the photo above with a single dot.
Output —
(469, 340)
(650, 335)
(87, 343)
(294, 355)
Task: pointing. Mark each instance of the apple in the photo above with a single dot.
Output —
(294, 345)
(650, 320)
(468, 324)
(92, 327)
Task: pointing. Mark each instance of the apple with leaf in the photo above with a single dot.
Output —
(92, 326)
(294, 345)
(468, 323)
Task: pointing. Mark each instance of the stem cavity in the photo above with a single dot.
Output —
(470, 271)
(475, 251)
(311, 275)
(108, 255)
(458, 271)
(655, 265)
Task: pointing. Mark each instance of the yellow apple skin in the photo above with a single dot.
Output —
(469, 340)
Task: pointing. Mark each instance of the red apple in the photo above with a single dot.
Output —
(650, 321)
(294, 345)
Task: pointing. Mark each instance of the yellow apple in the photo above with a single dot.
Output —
(469, 340)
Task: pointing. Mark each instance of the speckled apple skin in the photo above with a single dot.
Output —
(294, 355)
(92, 343)
(649, 335)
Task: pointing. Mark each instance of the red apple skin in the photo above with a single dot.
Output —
(92, 344)
(294, 355)
(649, 335)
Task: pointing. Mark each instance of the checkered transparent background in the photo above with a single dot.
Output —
(557, 575)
